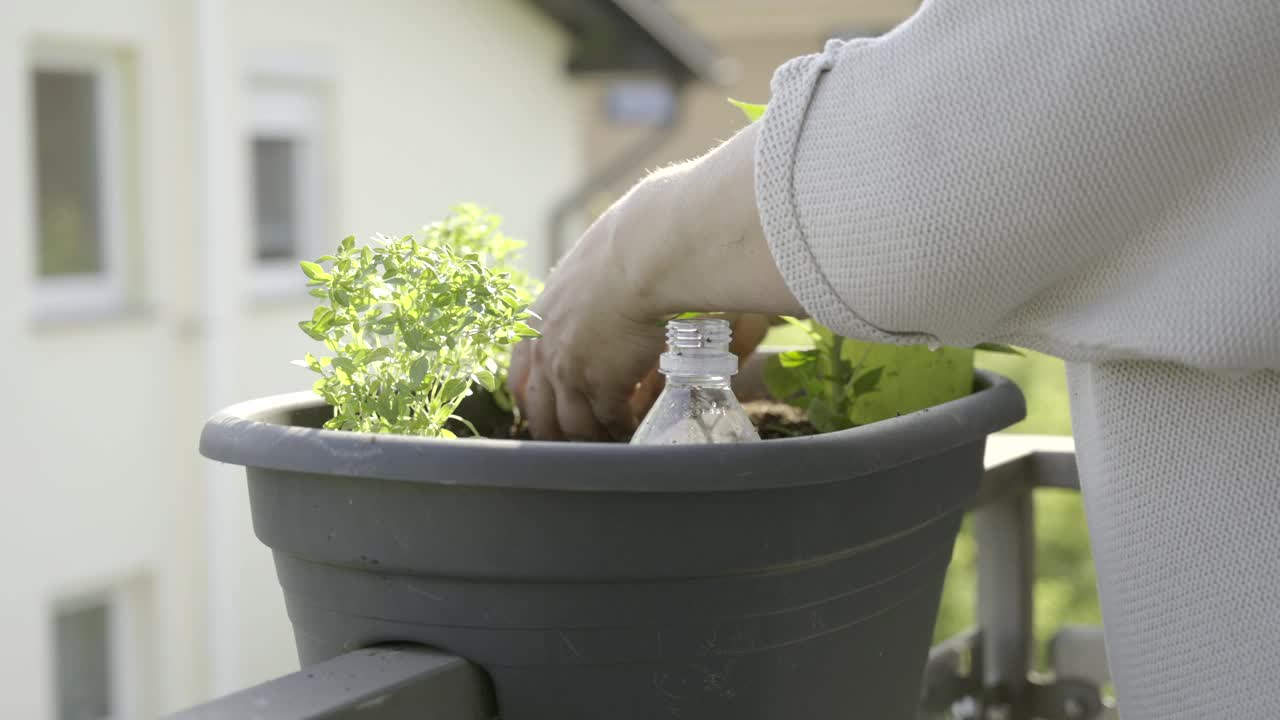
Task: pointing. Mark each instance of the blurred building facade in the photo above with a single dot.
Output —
(164, 164)
(756, 36)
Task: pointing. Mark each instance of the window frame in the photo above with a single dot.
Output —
(104, 291)
(286, 102)
(124, 646)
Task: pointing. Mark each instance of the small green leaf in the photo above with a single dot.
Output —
(322, 320)
(341, 363)
(314, 271)
(753, 111)
(453, 388)
(826, 418)
(868, 382)
(524, 331)
(806, 325)
(309, 328)
(348, 243)
(797, 358)
(418, 371)
(386, 405)
(441, 414)
(784, 384)
(486, 380)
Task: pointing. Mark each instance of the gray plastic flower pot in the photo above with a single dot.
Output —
(787, 579)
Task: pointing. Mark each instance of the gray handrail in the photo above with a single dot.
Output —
(381, 683)
(987, 672)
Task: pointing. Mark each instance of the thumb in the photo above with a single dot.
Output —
(647, 392)
(749, 330)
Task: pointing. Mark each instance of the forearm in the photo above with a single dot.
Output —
(689, 238)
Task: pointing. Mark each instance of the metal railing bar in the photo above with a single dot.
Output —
(381, 683)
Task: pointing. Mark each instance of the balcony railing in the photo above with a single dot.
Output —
(985, 673)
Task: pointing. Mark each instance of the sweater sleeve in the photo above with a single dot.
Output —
(1097, 180)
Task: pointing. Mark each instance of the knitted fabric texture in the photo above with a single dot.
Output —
(1181, 477)
(1099, 181)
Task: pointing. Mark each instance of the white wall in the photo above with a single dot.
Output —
(432, 102)
(100, 480)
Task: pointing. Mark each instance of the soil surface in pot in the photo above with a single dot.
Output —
(778, 420)
(773, 420)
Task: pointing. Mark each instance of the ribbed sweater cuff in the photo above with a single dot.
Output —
(782, 127)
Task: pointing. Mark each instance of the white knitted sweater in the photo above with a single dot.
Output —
(1100, 181)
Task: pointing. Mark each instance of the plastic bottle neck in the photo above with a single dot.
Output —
(711, 381)
(698, 348)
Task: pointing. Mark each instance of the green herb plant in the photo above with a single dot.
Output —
(825, 381)
(411, 324)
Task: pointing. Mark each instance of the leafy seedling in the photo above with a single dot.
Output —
(412, 324)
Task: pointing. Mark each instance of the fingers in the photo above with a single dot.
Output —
(540, 408)
(749, 330)
(646, 393)
(597, 340)
(556, 410)
(518, 372)
(615, 415)
(577, 418)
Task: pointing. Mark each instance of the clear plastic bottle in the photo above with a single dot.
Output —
(697, 406)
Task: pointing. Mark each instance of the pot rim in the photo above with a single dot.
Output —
(242, 435)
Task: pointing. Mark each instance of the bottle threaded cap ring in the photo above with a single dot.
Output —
(699, 346)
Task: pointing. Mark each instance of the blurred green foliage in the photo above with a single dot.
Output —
(1066, 589)
(842, 382)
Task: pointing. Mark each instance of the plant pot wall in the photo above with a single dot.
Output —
(787, 579)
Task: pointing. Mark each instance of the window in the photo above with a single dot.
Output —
(651, 102)
(83, 651)
(287, 151)
(75, 123)
(95, 668)
(276, 167)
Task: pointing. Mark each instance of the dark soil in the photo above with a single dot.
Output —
(773, 420)
(510, 430)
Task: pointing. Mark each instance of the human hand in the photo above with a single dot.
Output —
(575, 381)
(685, 238)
